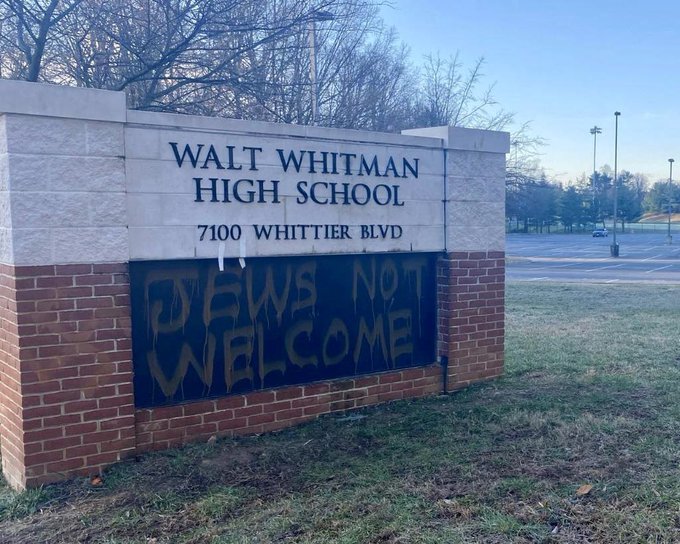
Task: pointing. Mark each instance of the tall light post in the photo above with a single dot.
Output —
(594, 131)
(669, 238)
(614, 248)
(314, 17)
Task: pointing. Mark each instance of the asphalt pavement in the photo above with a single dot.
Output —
(643, 258)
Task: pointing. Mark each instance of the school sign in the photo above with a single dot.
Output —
(167, 278)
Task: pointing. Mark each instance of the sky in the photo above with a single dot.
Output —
(566, 66)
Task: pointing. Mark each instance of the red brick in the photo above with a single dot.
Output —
(260, 398)
(110, 268)
(412, 373)
(62, 443)
(80, 429)
(95, 279)
(205, 429)
(166, 412)
(318, 409)
(55, 327)
(88, 324)
(288, 393)
(289, 414)
(262, 418)
(72, 269)
(185, 421)
(111, 290)
(101, 436)
(94, 302)
(112, 334)
(316, 389)
(195, 408)
(342, 385)
(377, 389)
(235, 423)
(61, 397)
(36, 294)
(53, 281)
(277, 406)
(96, 346)
(100, 414)
(40, 435)
(249, 410)
(216, 417)
(340, 405)
(44, 457)
(39, 340)
(390, 378)
(306, 401)
(41, 387)
(102, 459)
(65, 465)
(401, 386)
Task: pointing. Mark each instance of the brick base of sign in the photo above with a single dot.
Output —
(471, 320)
(271, 410)
(66, 394)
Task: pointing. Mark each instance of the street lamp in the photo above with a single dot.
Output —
(669, 238)
(314, 17)
(594, 131)
(614, 248)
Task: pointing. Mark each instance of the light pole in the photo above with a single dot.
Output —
(614, 248)
(314, 17)
(594, 131)
(669, 238)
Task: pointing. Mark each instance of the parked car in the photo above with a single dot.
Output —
(597, 233)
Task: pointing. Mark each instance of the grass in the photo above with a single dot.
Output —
(591, 395)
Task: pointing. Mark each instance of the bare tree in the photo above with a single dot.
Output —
(28, 27)
(245, 59)
(450, 96)
(174, 55)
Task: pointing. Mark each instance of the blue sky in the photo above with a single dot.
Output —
(566, 66)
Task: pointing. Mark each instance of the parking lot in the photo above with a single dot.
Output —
(643, 258)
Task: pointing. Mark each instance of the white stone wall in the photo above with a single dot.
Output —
(164, 215)
(84, 180)
(475, 187)
(64, 168)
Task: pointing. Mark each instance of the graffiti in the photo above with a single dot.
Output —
(199, 332)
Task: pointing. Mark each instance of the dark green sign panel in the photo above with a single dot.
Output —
(199, 332)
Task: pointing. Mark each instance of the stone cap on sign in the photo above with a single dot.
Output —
(244, 127)
(466, 139)
(27, 98)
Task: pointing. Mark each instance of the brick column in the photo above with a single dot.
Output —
(66, 361)
(472, 316)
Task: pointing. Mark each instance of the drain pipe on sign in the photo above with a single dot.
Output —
(445, 359)
(445, 373)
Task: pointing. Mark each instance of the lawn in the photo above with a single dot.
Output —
(591, 397)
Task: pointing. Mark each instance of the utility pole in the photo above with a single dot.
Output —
(314, 17)
(614, 249)
(669, 238)
(594, 131)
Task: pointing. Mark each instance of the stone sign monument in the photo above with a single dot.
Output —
(167, 278)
